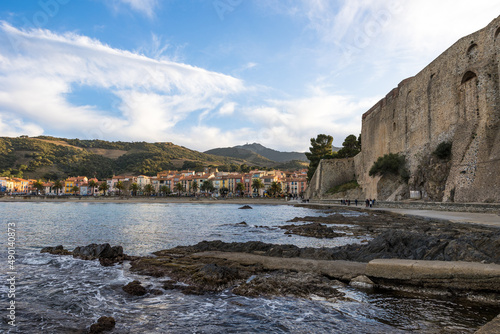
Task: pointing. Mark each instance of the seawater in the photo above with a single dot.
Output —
(58, 294)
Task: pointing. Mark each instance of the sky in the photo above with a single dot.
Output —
(215, 73)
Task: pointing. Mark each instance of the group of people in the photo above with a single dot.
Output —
(368, 202)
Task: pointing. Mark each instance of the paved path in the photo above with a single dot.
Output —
(460, 217)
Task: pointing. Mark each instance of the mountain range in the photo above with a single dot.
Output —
(52, 158)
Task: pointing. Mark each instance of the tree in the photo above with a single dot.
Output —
(92, 185)
(195, 186)
(104, 187)
(275, 188)
(119, 186)
(149, 189)
(179, 188)
(350, 147)
(321, 147)
(240, 188)
(165, 190)
(257, 185)
(207, 186)
(134, 188)
(58, 185)
(75, 189)
(224, 191)
(38, 186)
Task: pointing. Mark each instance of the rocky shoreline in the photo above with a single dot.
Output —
(397, 252)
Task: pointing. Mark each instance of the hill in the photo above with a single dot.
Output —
(52, 158)
(240, 153)
(273, 154)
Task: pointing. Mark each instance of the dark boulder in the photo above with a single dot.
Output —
(245, 207)
(135, 289)
(106, 254)
(58, 250)
(102, 325)
(314, 230)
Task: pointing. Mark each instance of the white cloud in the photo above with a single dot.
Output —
(39, 69)
(147, 7)
(227, 109)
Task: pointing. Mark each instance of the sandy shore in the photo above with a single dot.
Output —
(102, 199)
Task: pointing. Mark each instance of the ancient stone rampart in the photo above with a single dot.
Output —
(456, 99)
(330, 173)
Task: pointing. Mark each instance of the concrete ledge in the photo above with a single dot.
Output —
(492, 327)
(469, 276)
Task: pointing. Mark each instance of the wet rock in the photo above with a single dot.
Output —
(315, 230)
(58, 250)
(245, 207)
(212, 276)
(135, 288)
(102, 325)
(288, 284)
(242, 224)
(362, 282)
(106, 254)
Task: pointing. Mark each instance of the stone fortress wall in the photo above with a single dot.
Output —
(455, 98)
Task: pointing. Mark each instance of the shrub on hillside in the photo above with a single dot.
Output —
(390, 164)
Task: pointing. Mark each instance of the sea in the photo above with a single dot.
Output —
(59, 294)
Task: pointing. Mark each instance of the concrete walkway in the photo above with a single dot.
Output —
(459, 217)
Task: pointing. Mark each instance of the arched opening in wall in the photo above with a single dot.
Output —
(472, 51)
(394, 126)
(469, 75)
(469, 96)
(497, 32)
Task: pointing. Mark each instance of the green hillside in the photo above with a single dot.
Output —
(52, 158)
(240, 153)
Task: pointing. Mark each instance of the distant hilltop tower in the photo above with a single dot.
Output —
(453, 102)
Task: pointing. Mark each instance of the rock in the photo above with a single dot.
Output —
(242, 224)
(135, 288)
(58, 250)
(362, 282)
(245, 207)
(315, 230)
(288, 284)
(106, 254)
(102, 325)
(213, 277)
(94, 251)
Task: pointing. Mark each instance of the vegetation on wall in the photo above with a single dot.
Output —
(443, 150)
(391, 163)
(344, 187)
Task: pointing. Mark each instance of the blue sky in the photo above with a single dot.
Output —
(215, 73)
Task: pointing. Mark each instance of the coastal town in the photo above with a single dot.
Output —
(210, 182)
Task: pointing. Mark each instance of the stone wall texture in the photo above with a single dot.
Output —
(455, 98)
(330, 173)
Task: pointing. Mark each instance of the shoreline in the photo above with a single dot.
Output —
(163, 200)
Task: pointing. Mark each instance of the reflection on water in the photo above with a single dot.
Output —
(65, 295)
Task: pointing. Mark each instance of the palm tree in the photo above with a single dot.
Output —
(179, 187)
(240, 187)
(104, 187)
(165, 190)
(75, 189)
(119, 186)
(38, 186)
(275, 188)
(134, 188)
(92, 185)
(58, 185)
(195, 186)
(257, 185)
(149, 189)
